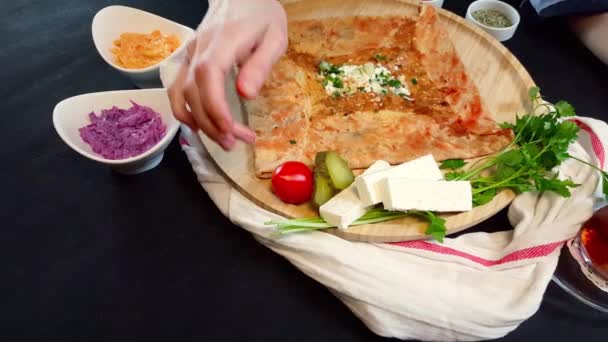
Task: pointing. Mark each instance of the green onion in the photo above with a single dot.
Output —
(436, 226)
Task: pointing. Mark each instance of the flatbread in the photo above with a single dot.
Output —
(294, 118)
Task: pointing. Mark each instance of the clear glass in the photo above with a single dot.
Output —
(592, 245)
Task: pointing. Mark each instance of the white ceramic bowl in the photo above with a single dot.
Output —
(110, 22)
(500, 33)
(436, 3)
(73, 113)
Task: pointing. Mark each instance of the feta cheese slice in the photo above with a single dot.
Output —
(369, 186)
(443, 196)
(345, 208)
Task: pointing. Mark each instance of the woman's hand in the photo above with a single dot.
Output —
(249, 33)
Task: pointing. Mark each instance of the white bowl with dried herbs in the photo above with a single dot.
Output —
(495, 17)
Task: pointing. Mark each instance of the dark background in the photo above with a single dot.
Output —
(86, 254)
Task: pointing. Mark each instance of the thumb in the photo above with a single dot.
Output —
(255, 70)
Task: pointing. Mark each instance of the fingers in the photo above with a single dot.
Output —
(210, 80)
(244, 133)
(191, 48)
(202, 119)
(257, 68)
(178, 101)
(178, 105)
(183, 94)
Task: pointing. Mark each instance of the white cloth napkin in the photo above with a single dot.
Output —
(474, 287)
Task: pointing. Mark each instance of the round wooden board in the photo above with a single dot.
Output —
(502, 81)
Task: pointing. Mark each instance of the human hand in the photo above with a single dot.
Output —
(249, 33)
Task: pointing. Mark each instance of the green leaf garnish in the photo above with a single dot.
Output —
(564, 109)
(452, 164)
(561, 187)
(394, 83)
(533, 94)
(324, 66)
(602, 173)
(380, 57)
(604, 184)
(327, 69)
(436, 227)
(337, 83)
(506, 125)
(511, 158)
(483, 197)
(293, 142)
(414, 81)
(453, 175)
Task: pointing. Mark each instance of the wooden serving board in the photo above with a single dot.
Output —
(502, 81)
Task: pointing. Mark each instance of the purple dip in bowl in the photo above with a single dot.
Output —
(123, 133)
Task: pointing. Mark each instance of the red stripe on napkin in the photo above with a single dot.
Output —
(183, 141)
(523, 254)
(596, 143)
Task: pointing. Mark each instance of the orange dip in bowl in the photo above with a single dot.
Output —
(138, 51)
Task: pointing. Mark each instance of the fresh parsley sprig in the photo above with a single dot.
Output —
(528, 162)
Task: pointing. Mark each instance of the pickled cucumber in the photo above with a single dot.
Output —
(332, 175)
(320, 166)
(323, 190)
(337, 168)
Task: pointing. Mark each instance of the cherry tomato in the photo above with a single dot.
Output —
(292, 182)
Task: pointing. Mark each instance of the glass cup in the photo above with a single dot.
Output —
(592, 243)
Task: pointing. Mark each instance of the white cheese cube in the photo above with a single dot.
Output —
(443, 196)
(369, 186)
(345, 208)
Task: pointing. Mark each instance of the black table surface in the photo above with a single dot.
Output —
(86, 254)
